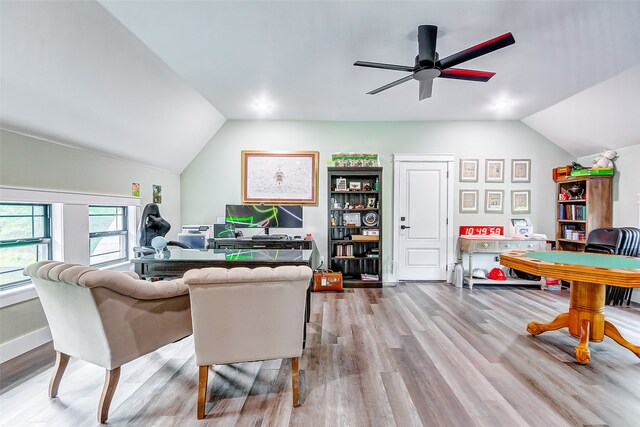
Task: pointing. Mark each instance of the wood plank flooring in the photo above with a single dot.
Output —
(411, 355)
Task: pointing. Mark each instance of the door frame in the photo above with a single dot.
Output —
(421, 158)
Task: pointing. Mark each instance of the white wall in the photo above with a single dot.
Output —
(626, 185)
(213, 177)
(27, 162)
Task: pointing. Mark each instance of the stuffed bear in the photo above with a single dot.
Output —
(605, 159)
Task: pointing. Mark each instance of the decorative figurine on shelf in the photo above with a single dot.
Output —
(575, 166)
(576, 192)
(358, 205)
(605, 160)
(333, 221)
(347, 205)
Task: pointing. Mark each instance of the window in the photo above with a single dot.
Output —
(107, 234)
(25, 238)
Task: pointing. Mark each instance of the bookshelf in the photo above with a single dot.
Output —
(355, 225)
(583, 204)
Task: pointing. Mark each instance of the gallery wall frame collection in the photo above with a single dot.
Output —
(494, 198)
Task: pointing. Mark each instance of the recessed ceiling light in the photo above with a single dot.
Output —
(501, 105)
(262, 106)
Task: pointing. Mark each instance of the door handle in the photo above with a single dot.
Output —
(402, 227)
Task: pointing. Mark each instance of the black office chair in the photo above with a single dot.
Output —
(603, 241)
(629, 246)
(153, 225)
(615, 241)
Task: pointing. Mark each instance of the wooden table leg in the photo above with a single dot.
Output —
(612, 332)
(581, 351)
(561, 321)
(587, 303)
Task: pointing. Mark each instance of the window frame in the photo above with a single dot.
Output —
(123, 232)
(29, 241)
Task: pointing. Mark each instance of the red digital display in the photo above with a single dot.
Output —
(481, 230)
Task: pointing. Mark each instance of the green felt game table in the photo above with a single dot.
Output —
(588, 274)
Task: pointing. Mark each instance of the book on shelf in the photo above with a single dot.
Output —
(344, 251)
(573, 212)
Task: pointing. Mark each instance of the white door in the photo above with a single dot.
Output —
(421, 220)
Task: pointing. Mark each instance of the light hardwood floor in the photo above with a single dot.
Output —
(416, 354)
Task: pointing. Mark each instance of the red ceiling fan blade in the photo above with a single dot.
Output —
(476, 51)
(471, 75)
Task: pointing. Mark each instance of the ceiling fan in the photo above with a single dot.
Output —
(428, 66)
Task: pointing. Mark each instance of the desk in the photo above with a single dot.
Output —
(249, 243)
(588, 273)
(496, 245)
(178, 261)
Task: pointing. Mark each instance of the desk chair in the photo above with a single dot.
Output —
(615, 241)
(153, 225)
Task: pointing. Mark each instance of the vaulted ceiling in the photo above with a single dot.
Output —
(127, 77)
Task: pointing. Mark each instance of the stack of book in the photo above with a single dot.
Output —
(344, 251)
(573, 212)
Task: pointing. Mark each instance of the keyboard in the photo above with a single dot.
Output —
(270, 237)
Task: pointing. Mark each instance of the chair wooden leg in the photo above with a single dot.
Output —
(58, 371)
(202, 390)
(110, 383)
(295, 381)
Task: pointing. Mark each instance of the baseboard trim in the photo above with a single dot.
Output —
(23, 344)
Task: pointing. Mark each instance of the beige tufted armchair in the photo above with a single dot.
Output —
(107, 318)
(243, 315)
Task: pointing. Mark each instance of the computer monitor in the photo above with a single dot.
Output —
(224, 231)
(264, 216)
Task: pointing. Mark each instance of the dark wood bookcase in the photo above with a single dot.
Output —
(591, 209)
(349, 250)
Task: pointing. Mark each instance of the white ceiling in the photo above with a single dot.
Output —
(603, 116)
(161, 72)
(71, 73)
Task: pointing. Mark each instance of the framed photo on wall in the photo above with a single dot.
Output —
(521, 170)
(520, 201)
(280, 177)
(494, 201)
(468, 201)
(468, 170)
(494, 170)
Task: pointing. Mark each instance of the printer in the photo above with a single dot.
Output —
(196, 236)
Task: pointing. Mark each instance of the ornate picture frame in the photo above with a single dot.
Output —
(520, 201)
(280, 177)
(521, 170)
(469, 170)
(468, 202)
(494, 170)
(494, 201)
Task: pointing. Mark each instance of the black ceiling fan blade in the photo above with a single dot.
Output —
(476, 51)
(427, 35)
(471, 75)
(426, 87)
(390, 85)
(384, 66)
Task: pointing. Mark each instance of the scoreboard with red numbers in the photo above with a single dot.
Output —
(481, 230)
